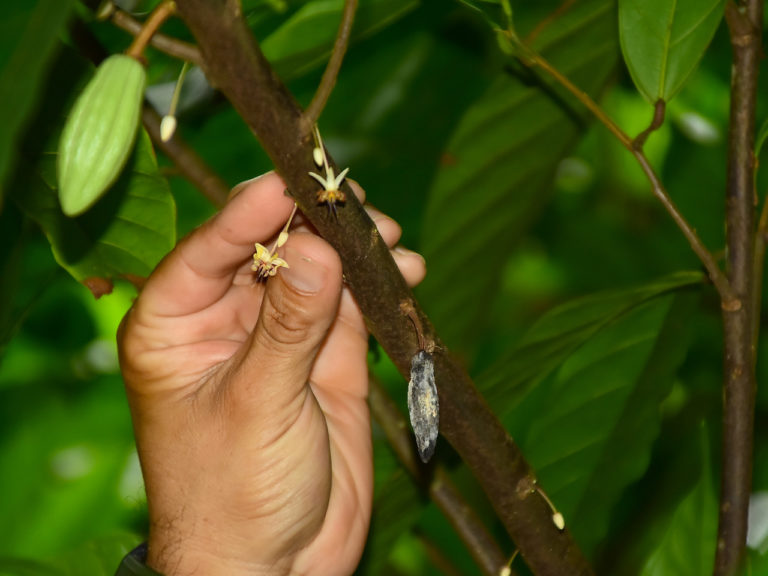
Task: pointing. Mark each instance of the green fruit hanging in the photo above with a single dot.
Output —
(99, 134)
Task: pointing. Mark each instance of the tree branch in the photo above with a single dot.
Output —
(745, 25)
(238, 68)
(171, 46)
(439, 485)
(328, 81)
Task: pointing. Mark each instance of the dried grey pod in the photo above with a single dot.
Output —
(423, 405)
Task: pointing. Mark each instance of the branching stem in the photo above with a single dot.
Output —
(328, 81)
(166, 44)
(720, 281)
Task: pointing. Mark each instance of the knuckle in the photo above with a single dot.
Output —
(285, 323)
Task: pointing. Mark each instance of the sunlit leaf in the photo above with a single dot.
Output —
(663, 41)
(25, 567)
(124, 235)
(28, 36)
(497, 169)
(688, 545)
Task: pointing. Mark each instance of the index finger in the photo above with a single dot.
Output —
(200, 270)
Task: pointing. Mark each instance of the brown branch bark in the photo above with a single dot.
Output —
(745, 25)
(438, 484)
(238, 68)
(168, 45)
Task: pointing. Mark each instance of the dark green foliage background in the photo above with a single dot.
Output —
(553, 274)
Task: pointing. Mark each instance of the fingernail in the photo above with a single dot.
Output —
(303, 274)
(406, 252)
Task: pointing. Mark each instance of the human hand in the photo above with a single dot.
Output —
(249, 401)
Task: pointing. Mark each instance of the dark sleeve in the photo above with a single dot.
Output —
(133, 563)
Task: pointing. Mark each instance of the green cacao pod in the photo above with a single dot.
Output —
(99, 133)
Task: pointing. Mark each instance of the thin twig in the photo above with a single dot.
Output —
(441, 488)
(328, 81)
(745, 27)
(720, 281)
(166, 44)
(159, 15)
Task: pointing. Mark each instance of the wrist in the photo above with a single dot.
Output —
(187, 560)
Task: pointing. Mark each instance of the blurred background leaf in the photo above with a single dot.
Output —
(29, 31)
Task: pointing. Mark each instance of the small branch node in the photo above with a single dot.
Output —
(731, 305)
(525, 487)
(407, 309)
(659, 110)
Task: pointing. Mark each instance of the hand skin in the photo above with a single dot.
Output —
(249, 401)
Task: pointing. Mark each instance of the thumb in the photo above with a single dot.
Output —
(299, 306)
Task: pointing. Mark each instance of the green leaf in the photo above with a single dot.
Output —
(306, 38)
(125, 234)
(664, 41)
(29, 32)
(688, 546)
(588, 383)
(498, 168)
(560, 333)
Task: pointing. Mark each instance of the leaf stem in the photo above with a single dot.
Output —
(328, 81)
(659, 110)
(745, 26)
(716, 275)
(159, 15)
